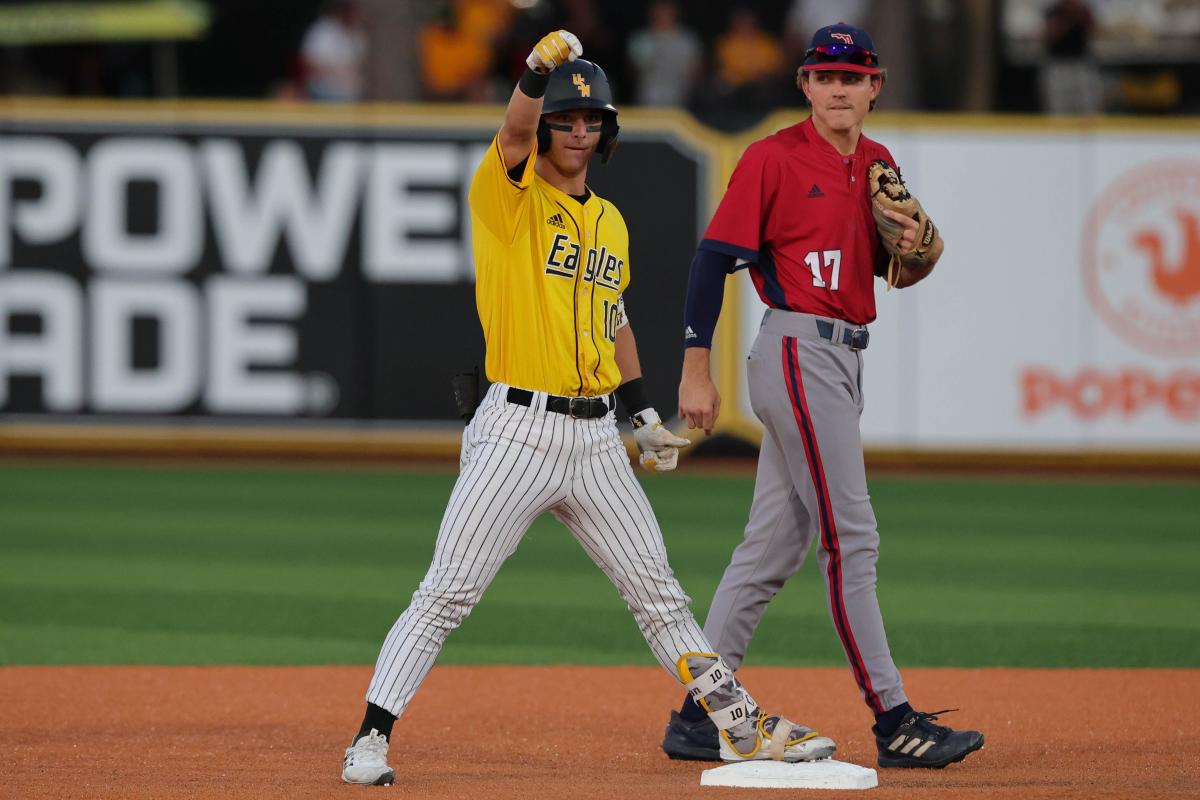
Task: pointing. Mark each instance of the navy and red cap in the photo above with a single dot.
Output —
(841, 47)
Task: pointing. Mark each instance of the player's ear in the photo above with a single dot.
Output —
(877, 87)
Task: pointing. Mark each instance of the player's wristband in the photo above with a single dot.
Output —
(533, 84)
(632, 395)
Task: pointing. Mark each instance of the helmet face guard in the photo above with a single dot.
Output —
(580, 85)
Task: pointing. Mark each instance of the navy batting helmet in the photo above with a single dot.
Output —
(580, 84)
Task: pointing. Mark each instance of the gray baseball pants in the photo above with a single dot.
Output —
(807, 391)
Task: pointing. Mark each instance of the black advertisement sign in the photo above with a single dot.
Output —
(269, 272)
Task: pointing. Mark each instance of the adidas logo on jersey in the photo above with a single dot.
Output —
(557, 221)
(688, 333)
(815, 191)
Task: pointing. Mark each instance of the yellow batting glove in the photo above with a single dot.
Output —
(554, 50)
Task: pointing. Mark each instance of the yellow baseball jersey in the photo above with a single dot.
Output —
(549, 275)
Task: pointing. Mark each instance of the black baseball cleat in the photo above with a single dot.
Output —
(920, 743)
(691, 741)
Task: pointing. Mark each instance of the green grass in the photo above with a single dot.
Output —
(186, 565)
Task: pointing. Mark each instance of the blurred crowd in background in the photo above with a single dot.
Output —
(727, 63)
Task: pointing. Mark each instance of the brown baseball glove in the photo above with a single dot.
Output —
(887, 191)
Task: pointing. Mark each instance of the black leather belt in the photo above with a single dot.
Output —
(574, 407)
(854, 338)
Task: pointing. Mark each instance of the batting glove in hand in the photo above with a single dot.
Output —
(554, 50)
(660, 447)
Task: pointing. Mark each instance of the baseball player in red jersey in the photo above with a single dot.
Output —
(797, 212)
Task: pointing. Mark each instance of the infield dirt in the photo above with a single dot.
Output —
(537, 733)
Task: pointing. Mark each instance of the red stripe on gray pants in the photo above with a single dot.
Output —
(829, 539)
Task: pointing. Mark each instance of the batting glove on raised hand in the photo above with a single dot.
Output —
(554, 50)
(660, 447)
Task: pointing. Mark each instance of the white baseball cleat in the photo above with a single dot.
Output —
(745, 731)
(366, 761)
(802, 743)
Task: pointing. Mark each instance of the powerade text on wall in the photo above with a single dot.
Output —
(233, 273)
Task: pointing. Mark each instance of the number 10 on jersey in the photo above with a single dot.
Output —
(612, 318)
(820, 260)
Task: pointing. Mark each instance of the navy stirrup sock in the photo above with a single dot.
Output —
(887, 722)
(692, 712)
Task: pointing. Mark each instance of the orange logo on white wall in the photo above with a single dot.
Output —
(1091, 394)
(1179, 281)
(1141, 257)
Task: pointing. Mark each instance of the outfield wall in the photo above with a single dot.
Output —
(236, 276)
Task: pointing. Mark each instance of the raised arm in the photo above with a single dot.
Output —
(525, 106)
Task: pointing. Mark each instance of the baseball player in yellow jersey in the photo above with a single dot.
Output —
(551, 263)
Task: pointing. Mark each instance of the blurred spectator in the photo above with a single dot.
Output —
(582, 18)
(1070, 79)
(333, 54)
(485, 20)
(666, 56)
(942, 28)
(806, 16)
(749, 78)
(524, 30)
(746, 54)
(457, 49)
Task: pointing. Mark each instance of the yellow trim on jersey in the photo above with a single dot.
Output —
(549, 275)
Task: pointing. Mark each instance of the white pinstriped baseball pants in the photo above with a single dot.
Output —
(518, 463)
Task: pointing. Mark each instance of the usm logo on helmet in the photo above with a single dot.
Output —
(845, 37)
(585, 89)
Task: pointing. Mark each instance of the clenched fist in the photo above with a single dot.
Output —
(660, 447)
(554, 50)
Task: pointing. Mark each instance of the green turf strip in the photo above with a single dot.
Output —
(190, 565)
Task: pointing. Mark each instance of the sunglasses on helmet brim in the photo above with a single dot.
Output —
(841, 54)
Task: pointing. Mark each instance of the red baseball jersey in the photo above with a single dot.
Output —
(797, 210)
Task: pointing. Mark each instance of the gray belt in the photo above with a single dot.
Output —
(809, 326)
(854, 338)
